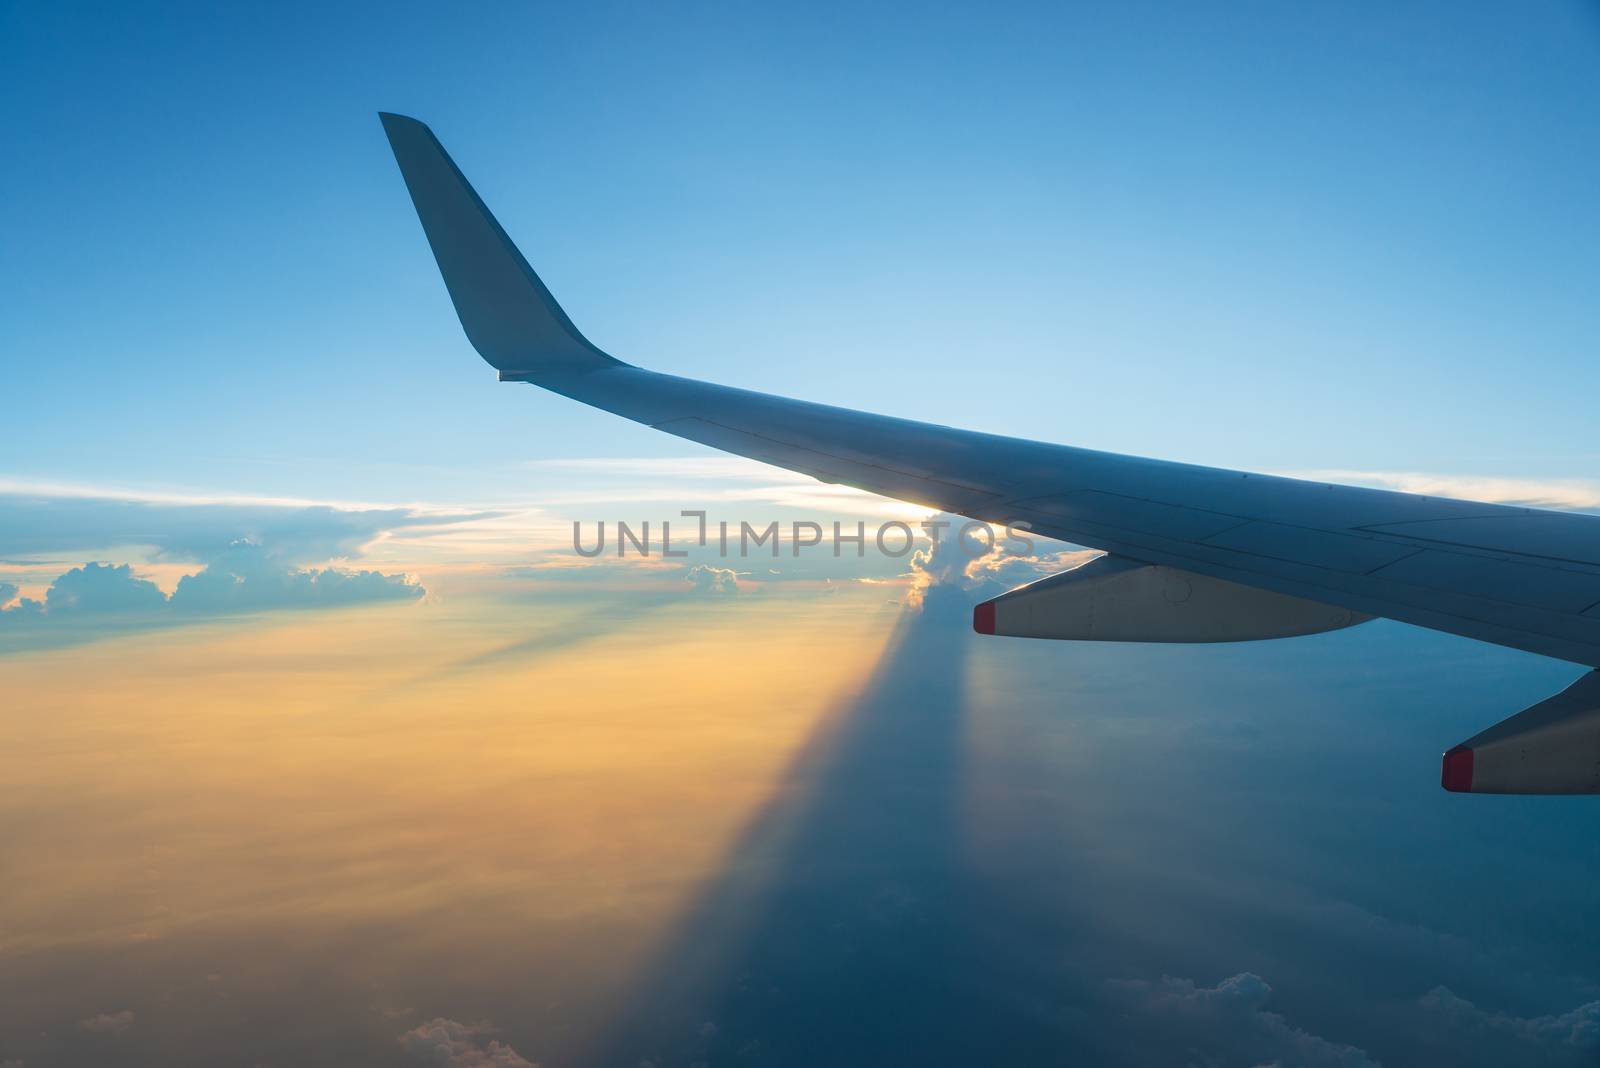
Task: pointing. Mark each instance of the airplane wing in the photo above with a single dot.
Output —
(1194, 553)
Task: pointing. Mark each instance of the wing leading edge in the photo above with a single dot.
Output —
(1519, 577)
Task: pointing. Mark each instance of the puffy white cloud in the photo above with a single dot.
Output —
(979, 562)
(108, 1023)
(1228, 1024)
(102, 588)
(997, 572)
(91, 593)
(449, 1044)
(245, 578)
(944, 562)
(707, 579)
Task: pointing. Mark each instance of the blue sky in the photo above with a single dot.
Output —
(1268, 237)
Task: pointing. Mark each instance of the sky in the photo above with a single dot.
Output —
(1254, 237)
(321, 745)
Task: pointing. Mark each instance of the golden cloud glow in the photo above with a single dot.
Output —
(513, 765)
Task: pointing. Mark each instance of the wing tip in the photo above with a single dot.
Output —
(403, 128)
(508, 314)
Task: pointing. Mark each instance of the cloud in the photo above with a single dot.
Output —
(707, 579)
(448, 1044)
(91, 592)
(968, 560)
(52, 519)
(997, 572)
(244, 578)
(108, 1023)
(101, 588)
(944, 562)
(26, 610)
(1499, 1038)
(1228, 1023)
(1570, 494)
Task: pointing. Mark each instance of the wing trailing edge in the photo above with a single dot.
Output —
(1114, 599)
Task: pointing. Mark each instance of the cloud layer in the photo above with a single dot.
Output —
(449, 1044)
(254, 554)
(244, 578)
(108, 1023)
(67, 520)
(1500, 1038)
(1229, 1023)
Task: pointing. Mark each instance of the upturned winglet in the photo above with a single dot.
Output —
(508, 314)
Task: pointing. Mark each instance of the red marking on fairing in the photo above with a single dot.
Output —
(983, 618)
(1457, 773)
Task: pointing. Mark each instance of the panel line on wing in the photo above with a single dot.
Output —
(1558, 537)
